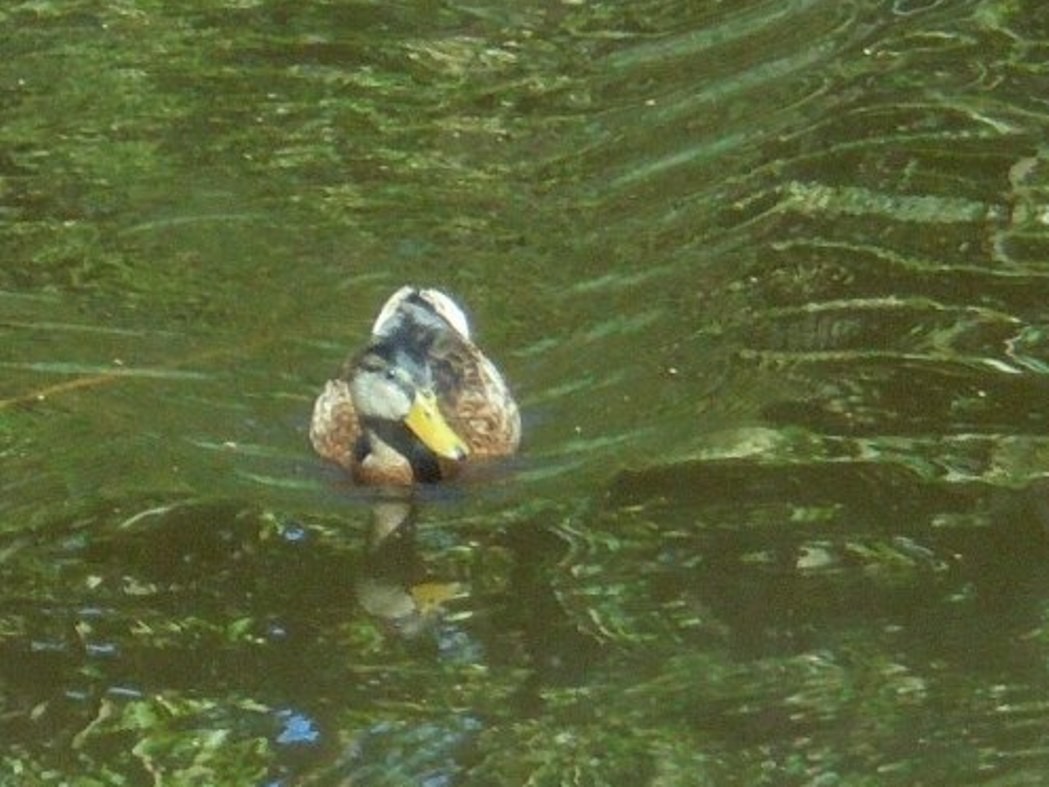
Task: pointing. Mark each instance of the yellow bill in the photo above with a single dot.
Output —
(426, 421)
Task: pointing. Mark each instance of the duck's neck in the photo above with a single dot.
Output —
(391, 445)
(382, 451)
(378, 463)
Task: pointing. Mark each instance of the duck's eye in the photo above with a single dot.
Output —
(390, 375)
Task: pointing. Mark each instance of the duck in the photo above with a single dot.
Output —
(420, 401)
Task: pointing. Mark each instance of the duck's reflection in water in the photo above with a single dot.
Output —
(394, 585)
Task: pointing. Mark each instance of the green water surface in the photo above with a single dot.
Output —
(770, 279)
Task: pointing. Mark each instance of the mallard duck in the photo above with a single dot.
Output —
(419, 401)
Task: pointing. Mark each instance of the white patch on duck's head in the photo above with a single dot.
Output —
(449, 310)
(439, 303)
(381, 389)
(389, 309)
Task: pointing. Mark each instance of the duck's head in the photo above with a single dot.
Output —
(391, 389)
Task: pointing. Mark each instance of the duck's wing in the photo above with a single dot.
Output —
(334, 428)
(475, 398)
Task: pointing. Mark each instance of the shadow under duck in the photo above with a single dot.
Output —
(419, 402)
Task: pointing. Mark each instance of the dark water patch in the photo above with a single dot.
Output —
(782, 566)
(141, 599)
(912, 396)
(774, 557)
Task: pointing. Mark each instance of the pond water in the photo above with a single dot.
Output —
(769, 278)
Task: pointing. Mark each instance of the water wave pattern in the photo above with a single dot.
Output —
(859, 208)
(881, 191)
(769, 276)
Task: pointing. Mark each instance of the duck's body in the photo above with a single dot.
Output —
(419, 402)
